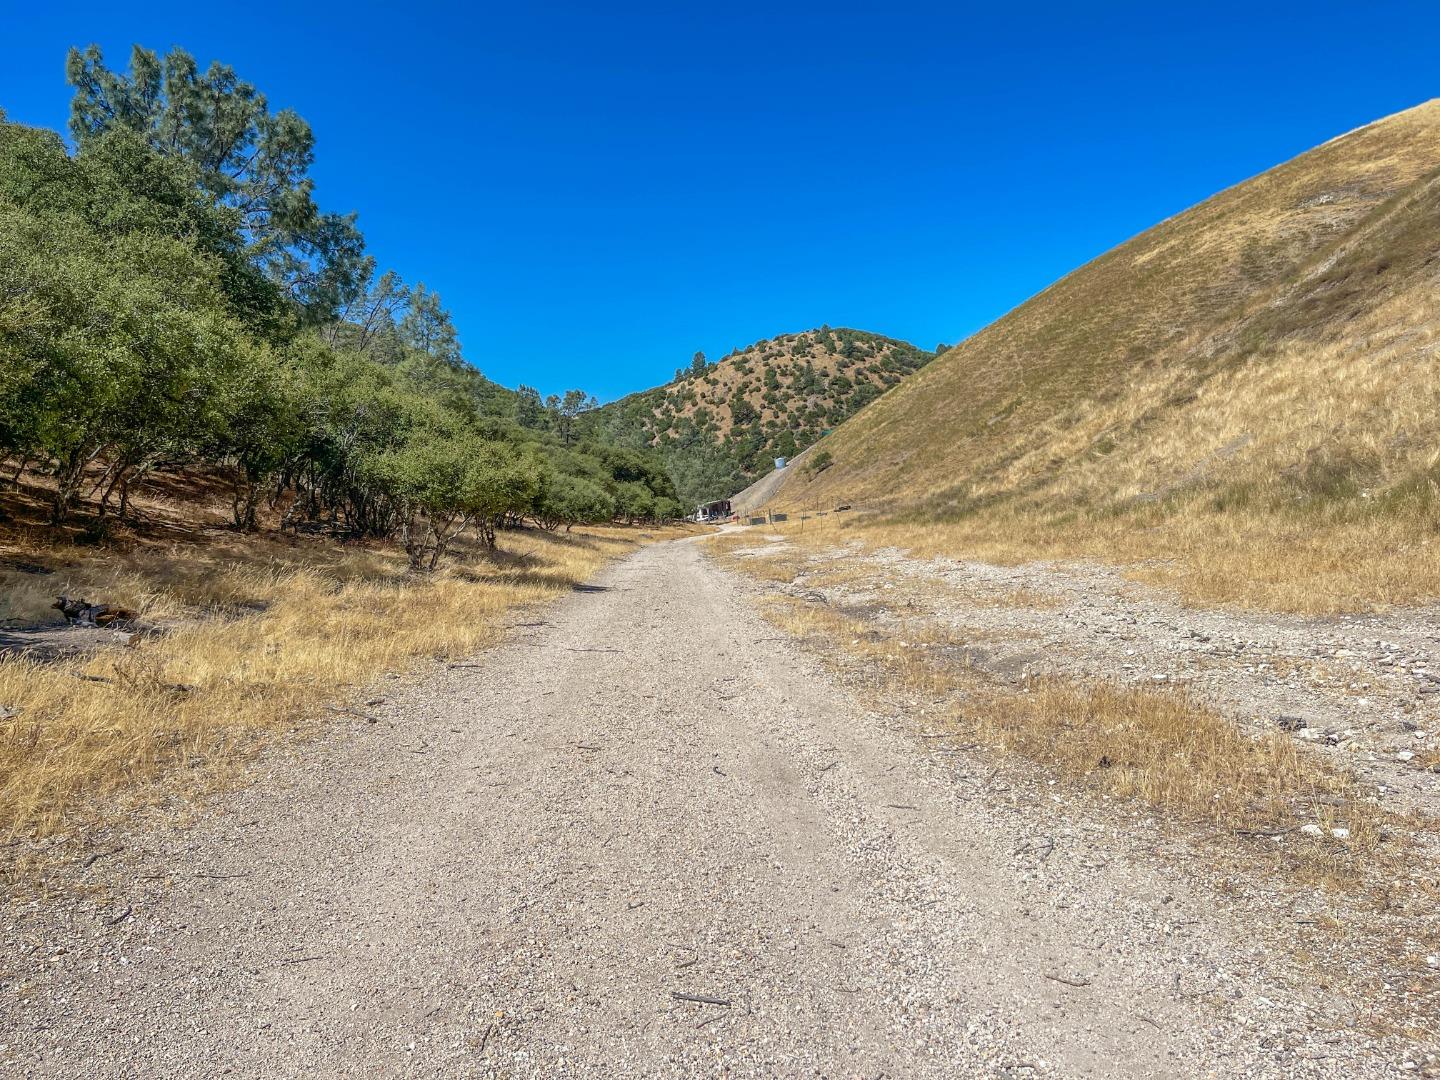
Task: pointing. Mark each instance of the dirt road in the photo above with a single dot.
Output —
(645, 837)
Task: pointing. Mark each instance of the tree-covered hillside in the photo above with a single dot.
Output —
(172, 297)
(720, 425)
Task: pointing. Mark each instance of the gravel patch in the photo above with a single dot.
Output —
(1361, 689)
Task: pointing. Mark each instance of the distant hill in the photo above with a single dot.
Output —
(1266, 364)
(720, 424)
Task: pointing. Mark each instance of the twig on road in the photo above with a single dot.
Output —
(344, 710)
(485, 1038)
(703, 999)
(1063, 979)
(115, 920)
(93, 858)
(1037, 848)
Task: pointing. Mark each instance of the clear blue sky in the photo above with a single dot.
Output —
(599, 190)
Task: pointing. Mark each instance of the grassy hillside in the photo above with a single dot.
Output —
(720, 425)
(1247, 390)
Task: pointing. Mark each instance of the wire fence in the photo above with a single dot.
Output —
(778, 517)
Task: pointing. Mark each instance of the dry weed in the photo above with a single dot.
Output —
(1159, 749)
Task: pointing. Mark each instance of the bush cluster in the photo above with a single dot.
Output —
(171, 297)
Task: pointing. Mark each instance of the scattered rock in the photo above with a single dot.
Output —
(83, 613)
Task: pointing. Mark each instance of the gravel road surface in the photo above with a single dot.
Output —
(1363, 690)
(644, 837)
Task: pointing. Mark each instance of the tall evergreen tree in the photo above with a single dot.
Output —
(427, 327)
(248, 159)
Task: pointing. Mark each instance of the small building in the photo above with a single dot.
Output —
(719, 510)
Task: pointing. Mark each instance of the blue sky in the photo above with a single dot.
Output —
(599, 190)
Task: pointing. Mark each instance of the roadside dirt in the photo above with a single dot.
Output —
(1362, 690)
(647, 836)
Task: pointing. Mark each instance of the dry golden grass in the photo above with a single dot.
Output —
(768, 566)
(266, 634)
(1237, 558)
(1295, 251)
(1240, 399)
(1260, 563)
(1301, 482)
(1158, 749)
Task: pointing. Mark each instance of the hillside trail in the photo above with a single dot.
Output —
(643, 837)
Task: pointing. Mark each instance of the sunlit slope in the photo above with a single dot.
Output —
(1272, 349)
